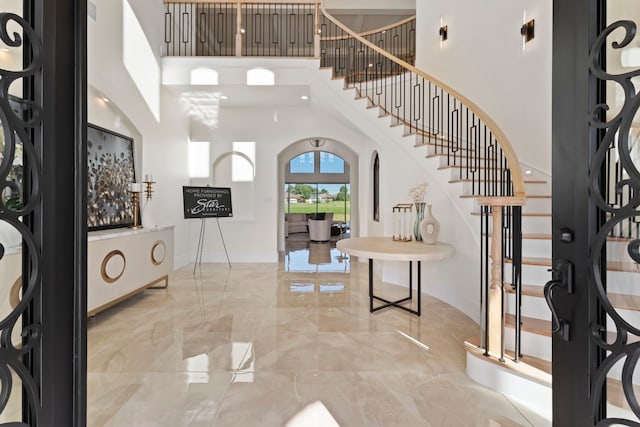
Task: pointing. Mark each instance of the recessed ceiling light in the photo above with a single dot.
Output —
(105, 99)
(242, 30)
(224, 97)
(528, 172)
(370, 65)
(304, 97)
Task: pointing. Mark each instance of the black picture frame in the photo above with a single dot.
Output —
(110, 170)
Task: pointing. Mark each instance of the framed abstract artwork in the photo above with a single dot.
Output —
(111, 169)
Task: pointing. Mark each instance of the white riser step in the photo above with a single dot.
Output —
(538, 205)
(622, 282)
(462, 173)
(536, 248)
(616, 373)
(532, 344)
(531, 306)
(538, 189)
(630, 316)
(531, 224)
(534, 205)
(531, 274)
(445, 160)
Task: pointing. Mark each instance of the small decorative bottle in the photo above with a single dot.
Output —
(419, 217)
(429, 228)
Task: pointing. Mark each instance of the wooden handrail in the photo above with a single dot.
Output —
(501, 138)
(388, 27)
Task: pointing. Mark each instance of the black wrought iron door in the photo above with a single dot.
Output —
(596, 218)
(43, 213)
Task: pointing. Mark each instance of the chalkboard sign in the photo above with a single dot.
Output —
(207, 202)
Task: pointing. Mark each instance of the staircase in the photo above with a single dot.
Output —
(519, 365)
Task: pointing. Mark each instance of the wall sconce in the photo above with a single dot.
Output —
(148, 180)
(402, 222)
(527, 31)
(443, 32)
(135, 188)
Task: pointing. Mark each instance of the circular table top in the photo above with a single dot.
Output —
(387, 249)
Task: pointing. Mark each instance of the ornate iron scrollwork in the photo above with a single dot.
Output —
(619, 202)
(17, 130)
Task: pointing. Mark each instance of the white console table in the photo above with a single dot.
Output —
(123, 262)
(120, 263)
(385, 248)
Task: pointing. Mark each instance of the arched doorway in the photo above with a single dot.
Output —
(325, 169)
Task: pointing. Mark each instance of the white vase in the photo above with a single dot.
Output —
(147, 217)
(429, 228)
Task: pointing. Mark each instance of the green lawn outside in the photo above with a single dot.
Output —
(336, 207)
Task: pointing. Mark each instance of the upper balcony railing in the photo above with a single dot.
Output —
(241, 28)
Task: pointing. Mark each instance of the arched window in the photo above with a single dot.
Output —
(318, 181)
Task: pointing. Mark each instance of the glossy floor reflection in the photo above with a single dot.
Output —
(314, 257)
(260, 346)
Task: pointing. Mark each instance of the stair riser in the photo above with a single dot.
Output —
(538, 205)
(622, 282)
(630, 316)
(616, 372)
(534, 225)
(530, 188)
(531, 274)
(531, 307)
(536, 248)
(616, 250)
(531, 344)
(461, 160)
(538, 189)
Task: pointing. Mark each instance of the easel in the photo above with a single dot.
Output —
(201, 244)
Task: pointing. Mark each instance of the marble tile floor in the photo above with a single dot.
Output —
(256, 345)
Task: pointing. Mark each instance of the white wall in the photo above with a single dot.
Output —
(161, 147)
(483, 59)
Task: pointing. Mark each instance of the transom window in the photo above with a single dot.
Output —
(317, 162)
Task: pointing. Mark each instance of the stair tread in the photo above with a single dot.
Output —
(621, 301)
(528, 290)
(631, 267)
(464, 166)
(526, 181)
(543, 236)
(530, 324)
(625, 302)
(433, 144)
(536, 214)
(529, 196)
(451, 154)
(529, 366)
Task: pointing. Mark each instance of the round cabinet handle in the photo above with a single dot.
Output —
(158, 252)
(108, 276)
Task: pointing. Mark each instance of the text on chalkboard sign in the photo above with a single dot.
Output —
(207, 202)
